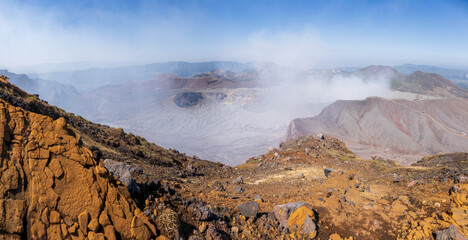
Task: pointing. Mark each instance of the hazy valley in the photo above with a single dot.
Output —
(229, 116)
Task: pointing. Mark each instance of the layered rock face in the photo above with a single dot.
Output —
(52, 188)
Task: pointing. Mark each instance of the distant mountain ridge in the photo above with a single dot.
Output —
(457, 75)
(62, 95)
(417, 82)
(429, 83)
(396, 129)
(85, 80)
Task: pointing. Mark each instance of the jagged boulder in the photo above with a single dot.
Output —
(122, 172)
(52, 188)
(297, 216)
(451, 233)
(249, 209)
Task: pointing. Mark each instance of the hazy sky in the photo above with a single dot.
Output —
(305, 33)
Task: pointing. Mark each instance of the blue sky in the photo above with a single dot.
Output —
(304, 33)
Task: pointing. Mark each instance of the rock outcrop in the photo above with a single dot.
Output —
(122, 172)
(52, 187)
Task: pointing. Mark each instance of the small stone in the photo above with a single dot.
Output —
(202, 228)
(328, 171)
(12, 214)
(94, 225)
(54, 232)
(235, 230)
(162, 238)
(101, 171)
(191, 169)
(38, 230)
(139, 230)
(204, 214)
(83, 220)
(239, 189)
(321, 136)
(56, 167)
(258, 198)
(412, 183)
(396, 178)
(104, 219)
(73, 228)
(217, 186)
(249, 209)
(376, 223)
(64, 229)
(96, 236)
(453, 189)
(282, 212)
(54, 217)
(238, 180)
(212, 233)
(122, 172)
(109, 232)
(451, 233)
(303, 217)
(462, 179)
(68, 220)
(10, 179)
(335, 236)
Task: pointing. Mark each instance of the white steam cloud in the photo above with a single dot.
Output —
(228, 132)
(301, 49)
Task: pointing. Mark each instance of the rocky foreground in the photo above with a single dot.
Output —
(314, 187)
(65, 178)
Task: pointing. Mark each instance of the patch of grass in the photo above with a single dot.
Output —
(168, 223)
(249, 165)
(32, 98)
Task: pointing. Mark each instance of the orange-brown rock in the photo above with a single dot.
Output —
(52, 188)
(11, 215)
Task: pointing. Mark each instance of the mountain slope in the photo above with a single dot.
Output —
(459, 76)
(105, 141)
(376, 72)
(58, 94)
(429, 84)
(397, 129)
(417, 82)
